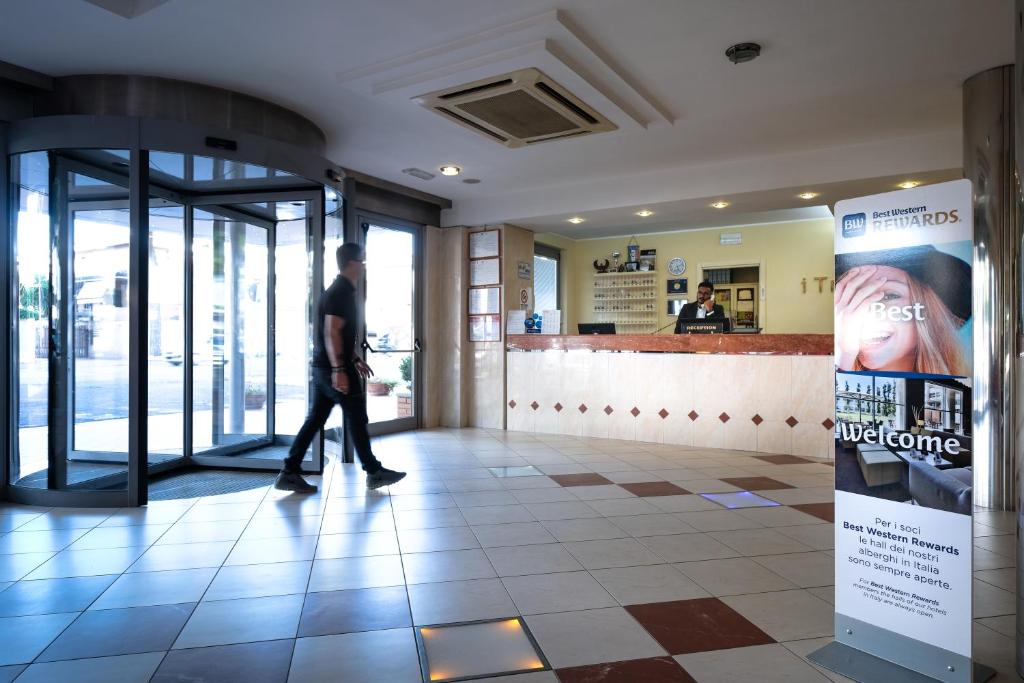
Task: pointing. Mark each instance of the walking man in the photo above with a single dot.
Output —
(338, 375)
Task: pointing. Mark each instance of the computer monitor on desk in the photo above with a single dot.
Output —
(596, 328)
(704, 326)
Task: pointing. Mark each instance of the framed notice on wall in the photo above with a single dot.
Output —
(484, 272)
(484, 244)
(484, 328)
(485, 300)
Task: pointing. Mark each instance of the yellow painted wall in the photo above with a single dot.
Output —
(788, 251)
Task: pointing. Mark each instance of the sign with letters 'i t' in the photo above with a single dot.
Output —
(903, 355)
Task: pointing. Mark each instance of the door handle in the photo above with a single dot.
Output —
(416, 347)
(367, 347)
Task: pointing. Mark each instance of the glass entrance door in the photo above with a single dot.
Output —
(391, 339)
(164, 290)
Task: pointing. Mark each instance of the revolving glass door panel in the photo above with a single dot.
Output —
(229, 334)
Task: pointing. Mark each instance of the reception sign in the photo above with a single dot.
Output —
(903, 354)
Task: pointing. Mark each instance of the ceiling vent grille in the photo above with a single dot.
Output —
(517, 109)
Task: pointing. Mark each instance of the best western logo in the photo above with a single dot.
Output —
(854, 224)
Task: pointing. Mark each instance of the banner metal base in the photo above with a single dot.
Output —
(865, 668)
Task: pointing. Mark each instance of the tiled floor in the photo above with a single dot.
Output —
(627, 561)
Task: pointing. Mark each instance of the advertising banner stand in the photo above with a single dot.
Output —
(904, 453)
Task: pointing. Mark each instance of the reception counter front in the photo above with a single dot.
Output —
(766, 393)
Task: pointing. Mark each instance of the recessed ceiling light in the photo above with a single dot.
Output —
(719, 205)
(807, 195)
(644, 213)
(450, 170)
(908, 184)
(576, 220)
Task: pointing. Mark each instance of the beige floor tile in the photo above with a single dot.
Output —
(807, 570)
(566, 530)
(990, 601)
(592, 636)
(752, 542)
(687, 547)
(778, 516)
(455, 601)
(734, 576)
(665, 524)
(718, 520)
(820, 494)
(520, 533)
(761, 663)
(616, 552)
(656, 583)
(817, 536)
(802, 648)
(547, 593)
(786, 615)
(520, 560)
(1005, 578)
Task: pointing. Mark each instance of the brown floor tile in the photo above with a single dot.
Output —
(702, 625)
(825, 511)
(654, 670)
(756, 483)
(783, 459)
(588, 479)
(654, 488)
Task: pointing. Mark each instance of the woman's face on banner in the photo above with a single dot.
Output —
(883, 341)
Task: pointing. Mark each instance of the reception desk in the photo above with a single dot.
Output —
(766, 393)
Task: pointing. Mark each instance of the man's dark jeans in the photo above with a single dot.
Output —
(353, 404)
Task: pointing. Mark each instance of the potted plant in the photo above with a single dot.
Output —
(255, 396)
(380, 387)
(405, 370)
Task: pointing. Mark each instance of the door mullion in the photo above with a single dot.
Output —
(59, 417)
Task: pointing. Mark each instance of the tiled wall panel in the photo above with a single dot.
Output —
(769, 404)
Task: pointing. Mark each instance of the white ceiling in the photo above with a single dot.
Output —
(843, 91)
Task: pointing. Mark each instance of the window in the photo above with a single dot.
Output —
(943, 408)
(546, 292)
(865, 398)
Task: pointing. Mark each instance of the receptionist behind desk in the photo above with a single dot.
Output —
(703, 307)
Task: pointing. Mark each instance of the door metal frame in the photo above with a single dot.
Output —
(363, 220)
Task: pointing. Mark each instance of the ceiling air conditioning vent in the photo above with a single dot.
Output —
(517, 109)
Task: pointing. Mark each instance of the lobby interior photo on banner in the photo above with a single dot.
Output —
(905, 439)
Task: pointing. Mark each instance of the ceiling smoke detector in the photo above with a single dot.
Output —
(743, 52)
(517, 109)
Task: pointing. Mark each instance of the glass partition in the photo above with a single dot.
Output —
(31, 233)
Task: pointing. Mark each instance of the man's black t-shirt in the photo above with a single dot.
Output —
(339, 299)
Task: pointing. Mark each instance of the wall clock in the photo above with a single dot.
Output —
(677, 266)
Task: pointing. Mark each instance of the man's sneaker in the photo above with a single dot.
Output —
(383, 477)
(293, 481)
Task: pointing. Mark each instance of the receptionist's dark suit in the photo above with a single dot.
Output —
(689, 312)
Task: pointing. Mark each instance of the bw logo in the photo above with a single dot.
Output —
(854, 224)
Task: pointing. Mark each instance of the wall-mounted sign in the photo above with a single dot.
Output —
(903, 501)
(676, 287)
(730, 238)
(484, 244)
(484, 328)
(525, 270)
(484, 272)
(484, 300)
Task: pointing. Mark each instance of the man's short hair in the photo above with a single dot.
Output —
(707, 284)
(347, 253)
